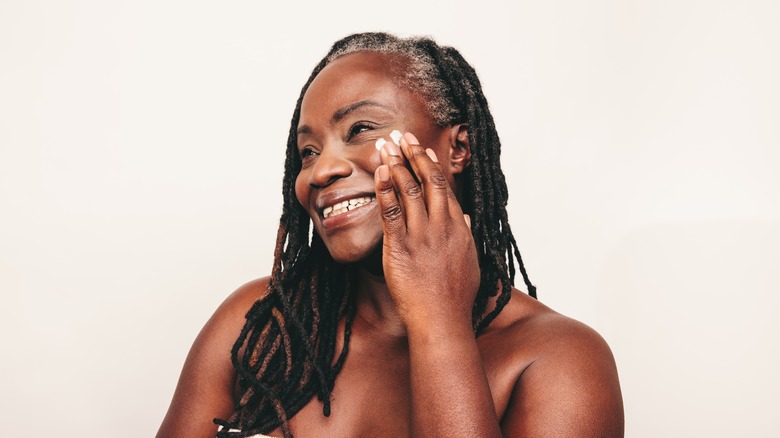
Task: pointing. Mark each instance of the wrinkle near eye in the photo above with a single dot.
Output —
(359, 128)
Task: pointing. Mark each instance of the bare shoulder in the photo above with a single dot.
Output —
(567, 382)
(240, 301)
(205, 388)
(546, 331)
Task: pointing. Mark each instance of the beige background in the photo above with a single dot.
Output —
(141, 148)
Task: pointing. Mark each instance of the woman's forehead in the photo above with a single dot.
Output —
(352, 78)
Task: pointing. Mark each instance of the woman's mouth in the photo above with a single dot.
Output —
(345, 206)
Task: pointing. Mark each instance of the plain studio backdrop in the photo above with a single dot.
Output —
(141, 156)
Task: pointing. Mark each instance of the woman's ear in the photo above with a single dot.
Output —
(460, 148)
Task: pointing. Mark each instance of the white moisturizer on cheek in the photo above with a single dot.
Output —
(395, 136)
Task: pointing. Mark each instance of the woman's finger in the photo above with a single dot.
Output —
(393, 221)
(425, 165)
(407, 189)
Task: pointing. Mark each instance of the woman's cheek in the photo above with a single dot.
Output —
(302, 190)
(371, 158)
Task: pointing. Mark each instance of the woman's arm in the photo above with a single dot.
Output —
(205, 388)
(430, 266)
(450, 392)
(431, 269)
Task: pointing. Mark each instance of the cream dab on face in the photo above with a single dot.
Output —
(345, 206)
(395, 136)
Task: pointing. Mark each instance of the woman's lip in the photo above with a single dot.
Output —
(333, 223)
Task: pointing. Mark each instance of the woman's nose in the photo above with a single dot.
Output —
(330, 166)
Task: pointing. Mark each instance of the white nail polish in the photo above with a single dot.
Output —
(396, 136)
(380, 142)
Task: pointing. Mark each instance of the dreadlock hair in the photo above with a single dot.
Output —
(289, 338)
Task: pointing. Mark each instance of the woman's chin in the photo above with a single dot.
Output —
(363, 254)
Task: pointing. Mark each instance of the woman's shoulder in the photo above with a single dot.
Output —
(228, 319)
(242, 299)
(527, 322)
(560, 365)
(206, 385)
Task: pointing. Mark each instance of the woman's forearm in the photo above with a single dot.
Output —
(450, 391)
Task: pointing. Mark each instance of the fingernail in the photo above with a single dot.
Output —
(396, 137)
(467, 219)
(432, 154)
(379, 143)
(410, 138)
(384, 173)
(392, 149)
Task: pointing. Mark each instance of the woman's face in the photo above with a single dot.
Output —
(353, 102)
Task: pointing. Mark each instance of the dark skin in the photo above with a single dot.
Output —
(414, 367)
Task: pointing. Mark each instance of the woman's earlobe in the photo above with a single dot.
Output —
(460, 147)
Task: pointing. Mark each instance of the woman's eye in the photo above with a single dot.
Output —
(306, 153)
(357, 129)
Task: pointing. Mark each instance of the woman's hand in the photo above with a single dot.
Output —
(429, 258)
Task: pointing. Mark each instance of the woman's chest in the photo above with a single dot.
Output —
(373, 395)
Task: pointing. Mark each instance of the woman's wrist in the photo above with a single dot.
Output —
(439, 329)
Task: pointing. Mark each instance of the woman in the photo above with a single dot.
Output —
(399, 317)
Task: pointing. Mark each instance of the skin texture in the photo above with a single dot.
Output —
(414, 367)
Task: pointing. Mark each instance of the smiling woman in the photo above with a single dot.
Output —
(399, 316)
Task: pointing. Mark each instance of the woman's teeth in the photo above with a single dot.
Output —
(345, 206)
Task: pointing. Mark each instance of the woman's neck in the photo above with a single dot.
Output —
(375, 306)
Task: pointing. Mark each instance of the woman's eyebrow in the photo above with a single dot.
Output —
(344, 111)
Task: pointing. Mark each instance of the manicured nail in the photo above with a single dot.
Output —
(432, 154)
(384, 173)
(396, 136)
(411, 139)
(379, 143)
(392, 149)
(467, 219)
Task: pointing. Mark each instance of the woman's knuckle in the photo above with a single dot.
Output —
(418, 152)
(437, 180)
(392, 212)
(412, 190)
